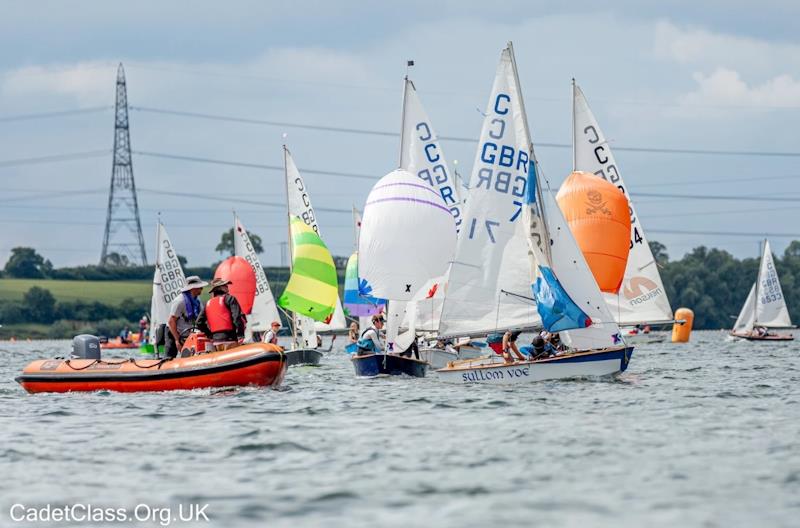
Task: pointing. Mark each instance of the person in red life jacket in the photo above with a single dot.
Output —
(271, 336)
(222, 320)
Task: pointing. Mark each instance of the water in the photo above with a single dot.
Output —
(706, 434)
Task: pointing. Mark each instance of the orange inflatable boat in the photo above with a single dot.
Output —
(117, 344)
(260, 364)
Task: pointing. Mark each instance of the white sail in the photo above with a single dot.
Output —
(745, 321)
(642, 297)
(771, 308)
(407, 237)
(308, 332)
(421, 154)
(490, 281)
(575, 276)
(264, 308)
(300, 206)
(168, 281)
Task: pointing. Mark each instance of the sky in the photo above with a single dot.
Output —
(707, 76)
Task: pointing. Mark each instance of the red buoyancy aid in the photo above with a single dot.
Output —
(218, 315)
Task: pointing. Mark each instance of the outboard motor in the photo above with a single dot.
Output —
(86, 346)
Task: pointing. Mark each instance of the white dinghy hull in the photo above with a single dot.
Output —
(591, 364)
(439, 358)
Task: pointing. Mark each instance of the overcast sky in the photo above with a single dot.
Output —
(677, 75)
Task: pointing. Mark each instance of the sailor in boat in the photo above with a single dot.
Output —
(760, 331)
(510, 345)
(222, 320)
(352, 335)
(183, 314)
(271, 335)
(371, 340)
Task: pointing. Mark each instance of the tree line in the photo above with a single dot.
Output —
(710, 281)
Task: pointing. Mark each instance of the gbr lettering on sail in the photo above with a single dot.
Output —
(503, 167)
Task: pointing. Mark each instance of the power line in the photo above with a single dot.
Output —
(724, 233)
(383, 133)
(58, 113)
(252, 165)
(54, 158)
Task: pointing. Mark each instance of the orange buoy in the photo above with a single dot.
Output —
(243, 280)
(682, 331)
(598, 216)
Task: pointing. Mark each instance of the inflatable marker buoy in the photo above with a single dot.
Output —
(682, 331)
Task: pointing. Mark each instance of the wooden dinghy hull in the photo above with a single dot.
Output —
(771, 337)
(494, 371)
(438, 358)
(372, 365)
(259, 364)
(303, 356)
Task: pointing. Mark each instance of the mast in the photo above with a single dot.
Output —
(762, 249)
(290, 245)
(355, 227)
(532, 154)
(574, 152)
(406, 82)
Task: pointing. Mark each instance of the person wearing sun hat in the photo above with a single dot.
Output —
(222, 320)
(271, 336)
(183, 314)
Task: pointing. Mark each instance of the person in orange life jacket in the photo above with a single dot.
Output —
(222, 320)
(271, 336)
(183, 314)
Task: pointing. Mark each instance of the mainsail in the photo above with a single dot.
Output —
(421, 154)
(642, 297)
(264, 309)
(488, 286)
(765, 305)
(168, 281)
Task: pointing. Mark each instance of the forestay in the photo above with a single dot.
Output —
(264, 309)
(488, 286)
(642, 297)
(168, 281)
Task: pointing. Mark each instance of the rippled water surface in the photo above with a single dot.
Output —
(705, 434)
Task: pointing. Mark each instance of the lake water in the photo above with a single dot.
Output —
(704, 434)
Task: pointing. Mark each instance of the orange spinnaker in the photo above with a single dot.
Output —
(243, 280)
(598, 216)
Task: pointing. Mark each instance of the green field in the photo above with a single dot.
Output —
(106, 292)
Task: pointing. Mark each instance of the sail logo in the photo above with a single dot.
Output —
(596, 204)
(641, 289)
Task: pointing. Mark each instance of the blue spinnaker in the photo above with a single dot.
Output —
(557, 310)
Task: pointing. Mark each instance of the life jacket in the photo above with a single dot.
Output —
(218, 315)
(273, 339)
(367, 344)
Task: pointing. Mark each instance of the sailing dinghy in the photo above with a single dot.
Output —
(567, 297)
(765, 306)
(312, 293)
(168, 281)
(407, 236)
(642, 299)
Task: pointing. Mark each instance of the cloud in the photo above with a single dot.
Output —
(701, 46)
(86, 82)
(726, 87)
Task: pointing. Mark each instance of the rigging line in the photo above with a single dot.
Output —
(326, 128)
(727, 211)
(55, 158)
(725, 180)
(58, 113)
(719, 197)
